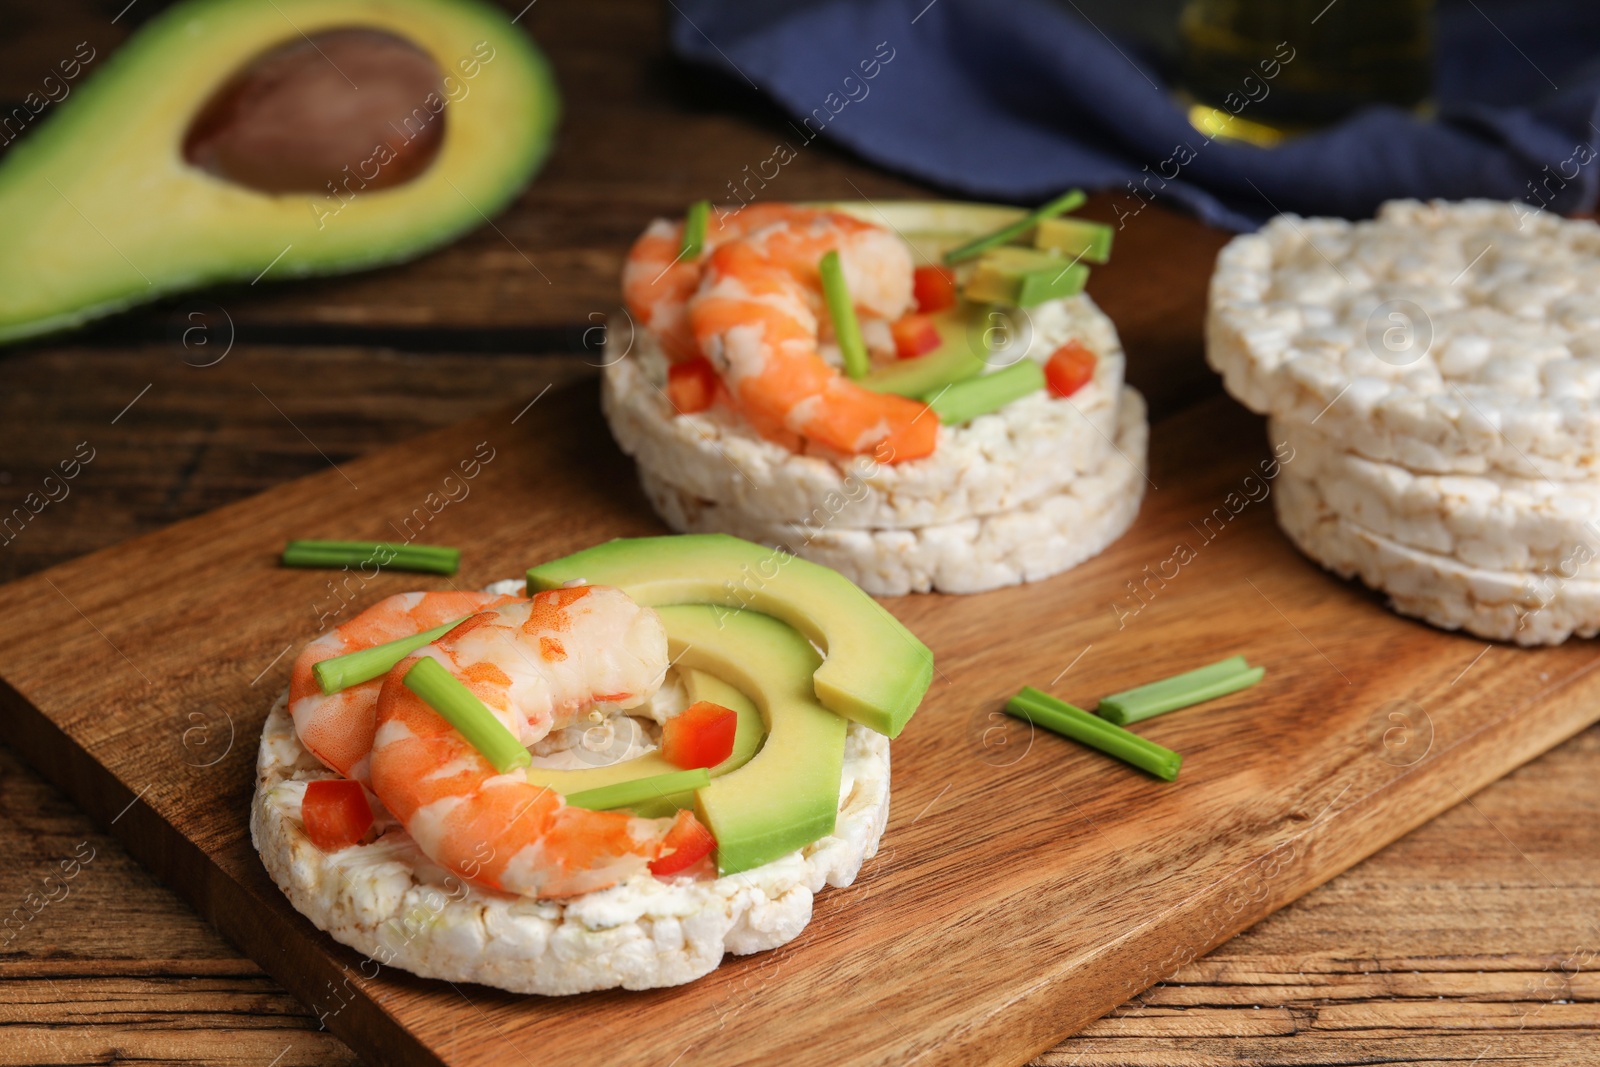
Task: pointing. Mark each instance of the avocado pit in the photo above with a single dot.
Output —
(344, 111)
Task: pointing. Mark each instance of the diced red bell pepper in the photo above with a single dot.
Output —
(686, 844)
(692, 385)
(1069, 369)
(914, 335)
(702, 736)
(934, 289)
(336, 813)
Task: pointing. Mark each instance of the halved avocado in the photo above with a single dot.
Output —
(145, 181)
(700, 686)
(787, 795)
(875, 671)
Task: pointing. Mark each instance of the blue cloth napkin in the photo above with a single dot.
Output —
(1015, 100)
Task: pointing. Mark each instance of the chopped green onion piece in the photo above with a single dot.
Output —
(353, 668)
(846, 330)
(1075, 238)
(1042, 709)
(694, 229)
(1067, 201)
(431, 559)
(622, 794)
(966, 400)
(445, 693)
(1180, 691)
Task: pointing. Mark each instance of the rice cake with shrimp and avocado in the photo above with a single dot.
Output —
(895, 390)
(633, 791)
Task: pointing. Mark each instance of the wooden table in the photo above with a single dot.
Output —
(1469, 941)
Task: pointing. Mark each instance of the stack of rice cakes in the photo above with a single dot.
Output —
(1437, 373)
(1015, 496)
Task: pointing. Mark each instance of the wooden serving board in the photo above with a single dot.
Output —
(1025, 885)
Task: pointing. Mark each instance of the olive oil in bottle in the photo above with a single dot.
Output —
(1258, 70)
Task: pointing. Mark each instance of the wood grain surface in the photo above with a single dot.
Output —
(1466, 942)
(1048, 884)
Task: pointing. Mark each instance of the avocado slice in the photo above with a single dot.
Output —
(1025, 277)
(1075, 239)
(779, 790)
(954, 360)
(700, 686)
(748, 736)
(787, 795)
(875, 671)
(930, 227)
(101, 208)
(1005, 275)
(1070, 200)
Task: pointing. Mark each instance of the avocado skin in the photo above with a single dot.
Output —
(99, 212)
(875, 671)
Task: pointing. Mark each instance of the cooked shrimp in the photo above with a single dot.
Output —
(755, 317)
(536, 664)
(337, 728)
(657, 282)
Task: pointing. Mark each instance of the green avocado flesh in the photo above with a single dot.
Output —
(930, 227)
(1075, 239)
(960, 330)
(787, 795)
(700, 686)
(1020, 277)
(1071, 200)
(1025, 277)
(779, 790)
(101, 209)
(875, 671)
